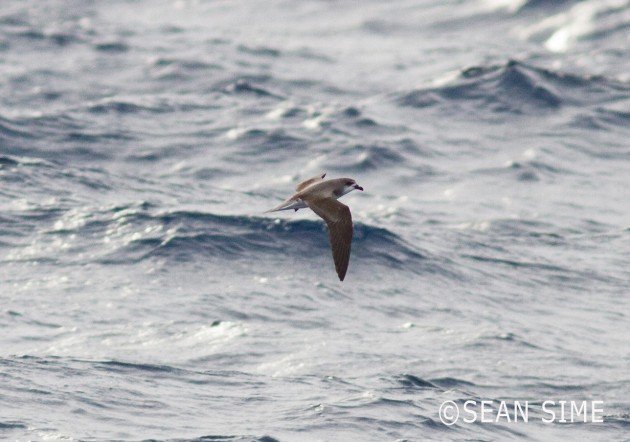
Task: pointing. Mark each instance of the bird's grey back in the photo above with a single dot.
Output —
(324, 189)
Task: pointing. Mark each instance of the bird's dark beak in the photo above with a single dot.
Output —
(356, 186)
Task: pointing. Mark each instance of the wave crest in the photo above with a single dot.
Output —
(515, 88)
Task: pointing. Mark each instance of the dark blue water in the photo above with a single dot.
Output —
(145, 295)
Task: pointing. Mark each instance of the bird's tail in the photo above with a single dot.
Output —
(284, 206)
(290, 204)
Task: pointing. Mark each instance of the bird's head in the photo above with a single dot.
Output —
(349, 185)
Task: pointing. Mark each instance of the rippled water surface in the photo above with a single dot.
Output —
(145, 295)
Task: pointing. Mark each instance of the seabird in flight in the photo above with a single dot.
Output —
(321, 197)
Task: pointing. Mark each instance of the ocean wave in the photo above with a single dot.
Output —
(230, 438)
(361, 157)
(412, 382)
(527, 170)
(8, 161)
(247, 85)
(234, 237)
(9, 425)
(26, 172)
(57, 136)
(57, 38)
(127, 106)
(263, 51)
(516, 88)
(274, 144)
(171, 69)
(125, 367)
(112, 47)
(544, 4)
(12, 130)
(128, 234)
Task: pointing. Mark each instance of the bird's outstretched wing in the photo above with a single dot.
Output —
(304, 184)
(339, 221)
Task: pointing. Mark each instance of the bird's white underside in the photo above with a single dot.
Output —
(299, 204)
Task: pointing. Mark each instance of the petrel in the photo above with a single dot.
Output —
(321, 197)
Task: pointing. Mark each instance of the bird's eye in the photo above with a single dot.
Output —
(349, 183)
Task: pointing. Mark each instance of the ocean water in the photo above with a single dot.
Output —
(145, 295)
